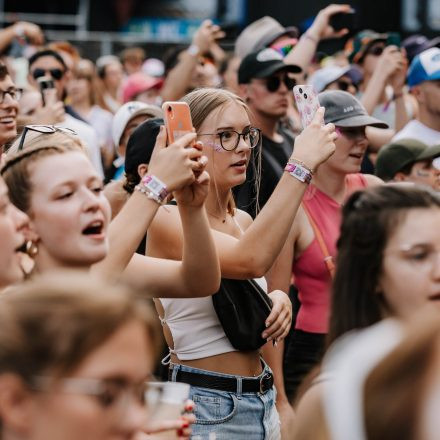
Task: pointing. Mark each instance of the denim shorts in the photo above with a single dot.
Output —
(232, 416)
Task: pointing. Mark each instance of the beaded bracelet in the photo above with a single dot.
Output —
(153, 188)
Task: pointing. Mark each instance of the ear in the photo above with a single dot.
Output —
(244, 91)
(15, 404)
(400, 177)
(142, 170)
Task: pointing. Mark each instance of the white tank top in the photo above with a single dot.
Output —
(195, 327)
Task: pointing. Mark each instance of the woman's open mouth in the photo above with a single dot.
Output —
(94, 229)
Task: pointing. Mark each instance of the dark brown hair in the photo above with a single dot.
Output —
(368, 220)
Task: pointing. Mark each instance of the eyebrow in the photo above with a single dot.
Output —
(233, 128)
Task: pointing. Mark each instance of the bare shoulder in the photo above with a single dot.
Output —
(310, 418)
(167, 215)
(373, 180)
(243, 219)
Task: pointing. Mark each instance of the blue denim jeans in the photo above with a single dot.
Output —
(232, 416)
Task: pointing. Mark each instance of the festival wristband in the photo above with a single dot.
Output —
(154, 188)
(299, 171)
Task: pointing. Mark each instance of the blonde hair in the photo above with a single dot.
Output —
(204, 101)
(50, 324)
(16, 167)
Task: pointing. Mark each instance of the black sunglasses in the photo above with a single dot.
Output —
(376, 51)
(273, 83)
(45, 129)
(54, 73)
(345, 85)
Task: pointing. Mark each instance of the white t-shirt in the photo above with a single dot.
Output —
(101, 121)
(88, 135)
(416, 130)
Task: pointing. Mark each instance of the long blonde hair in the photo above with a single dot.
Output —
(204, 101)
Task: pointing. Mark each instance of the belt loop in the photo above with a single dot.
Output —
(239, 387)
(174, 368)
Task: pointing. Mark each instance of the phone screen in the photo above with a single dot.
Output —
(343, 20)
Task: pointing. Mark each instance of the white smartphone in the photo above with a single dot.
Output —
(307, 102)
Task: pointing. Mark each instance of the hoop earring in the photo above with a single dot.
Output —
(31, 249)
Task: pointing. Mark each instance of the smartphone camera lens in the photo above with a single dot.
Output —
(300, 90)
(169, 109)
(305, 95)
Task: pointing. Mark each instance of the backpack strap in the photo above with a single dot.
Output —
(328, 259)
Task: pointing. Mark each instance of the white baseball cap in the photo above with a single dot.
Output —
(127, 112)
(321, 78)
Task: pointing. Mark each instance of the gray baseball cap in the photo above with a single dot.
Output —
(344, 110)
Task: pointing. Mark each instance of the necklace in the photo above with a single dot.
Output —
(223, 219)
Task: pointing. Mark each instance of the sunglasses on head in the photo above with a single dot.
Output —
(54, 73)
(273, 83)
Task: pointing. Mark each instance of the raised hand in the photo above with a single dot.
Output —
(321, 28)
(176, 164)
(206, 35)
(316, 143)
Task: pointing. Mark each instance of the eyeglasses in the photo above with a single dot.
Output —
(273, 83)
(352, 133)
(45, 129)
(229, 139)
(56, 74)
(114, 395)
(375, 51)
(345, 85)
(15, 94)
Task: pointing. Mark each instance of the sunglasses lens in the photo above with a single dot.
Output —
(290, 82)
(38, 73)
(56, 73)
(273, 84)
(343, 85)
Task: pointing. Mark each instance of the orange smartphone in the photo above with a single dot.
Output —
(177, 118)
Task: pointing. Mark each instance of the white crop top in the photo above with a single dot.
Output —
(195, 327)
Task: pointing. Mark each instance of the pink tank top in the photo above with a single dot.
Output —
(312, 277)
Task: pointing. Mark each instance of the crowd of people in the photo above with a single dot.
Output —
(117, 242)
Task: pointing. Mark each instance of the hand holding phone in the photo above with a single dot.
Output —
(307, 103)
(343, 20)
(47, 90)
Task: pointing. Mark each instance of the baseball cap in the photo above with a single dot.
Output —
(262, 64)
(260, 34)
(325, 76)
(416, 44)
(137, 83)
(424, 67)
(127, 112)
(141, 144)
(359, 44)
(344, 110)
(395, 156)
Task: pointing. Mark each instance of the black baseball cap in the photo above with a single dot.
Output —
(395, 156)
(344, 110)
(141, 144)
(263, 63)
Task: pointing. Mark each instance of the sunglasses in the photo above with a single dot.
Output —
(56, 74)
(273, 83)
(45, 129)
(375, 51)
(345, 85)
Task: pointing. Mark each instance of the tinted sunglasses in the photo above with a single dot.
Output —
(273, 83)
(54, 73)
(375, 51)
(345, 85)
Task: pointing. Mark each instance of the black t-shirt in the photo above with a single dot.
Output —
(274, 157)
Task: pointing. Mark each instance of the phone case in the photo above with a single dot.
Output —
(177, 118)
(307, 102)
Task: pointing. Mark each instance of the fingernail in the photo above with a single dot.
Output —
(185, 425)
(269, 338)
(264, 335)
(267, 323)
